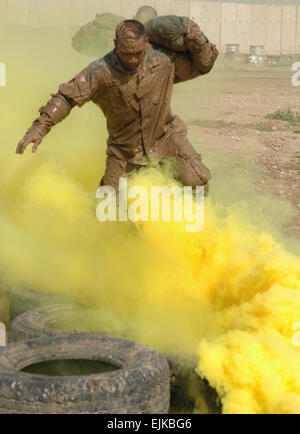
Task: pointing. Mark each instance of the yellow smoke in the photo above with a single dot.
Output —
(229, 294)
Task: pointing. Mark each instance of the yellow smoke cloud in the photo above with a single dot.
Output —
(229, 294)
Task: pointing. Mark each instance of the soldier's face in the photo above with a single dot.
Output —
(133, 53)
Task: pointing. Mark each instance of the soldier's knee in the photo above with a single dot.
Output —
(194, 175)
(110, 182)
(191, 179)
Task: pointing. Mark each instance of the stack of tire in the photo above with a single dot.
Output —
(140, 385)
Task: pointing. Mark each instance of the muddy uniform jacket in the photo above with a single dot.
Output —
(136, 104)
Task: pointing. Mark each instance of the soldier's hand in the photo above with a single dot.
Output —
(29, 137)
(195, 39)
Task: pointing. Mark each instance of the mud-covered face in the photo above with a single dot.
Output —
(132, 52)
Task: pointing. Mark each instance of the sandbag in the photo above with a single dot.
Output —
(169, 31)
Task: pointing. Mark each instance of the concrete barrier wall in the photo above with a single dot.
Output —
(275, 27)
(208, 16)
(163, 7)
(273, 30)
(243, 27)
(298, 31)
(258, 24)
(288, 35)
(228, 24)
(181, 7)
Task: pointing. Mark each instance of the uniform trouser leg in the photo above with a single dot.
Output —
(190, 170)
(115, 169)
(188, 163)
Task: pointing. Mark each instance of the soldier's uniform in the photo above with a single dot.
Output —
(136, 104)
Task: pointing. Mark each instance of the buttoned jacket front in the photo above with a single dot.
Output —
(136, 104)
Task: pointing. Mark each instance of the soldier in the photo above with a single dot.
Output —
(132, 85)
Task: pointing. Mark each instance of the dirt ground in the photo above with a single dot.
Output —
(226, 115)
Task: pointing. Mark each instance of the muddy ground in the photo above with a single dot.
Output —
(253, 158)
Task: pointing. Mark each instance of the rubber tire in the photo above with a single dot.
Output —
(141, 386)
(186, 385)
(188, 390)
(38, 323)
(22, 300)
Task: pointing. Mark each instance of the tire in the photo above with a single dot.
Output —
(38, 323)
(188, 390)
(140, 386)
(22, 300)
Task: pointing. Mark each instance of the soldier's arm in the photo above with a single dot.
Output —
(81, 89)
(200, 58)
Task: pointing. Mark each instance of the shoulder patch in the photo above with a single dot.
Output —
(98, 66)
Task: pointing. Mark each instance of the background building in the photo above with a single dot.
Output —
(274, 24)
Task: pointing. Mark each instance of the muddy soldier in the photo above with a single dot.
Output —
(132, 85)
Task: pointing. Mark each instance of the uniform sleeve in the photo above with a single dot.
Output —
(191, 64)
(84, 87)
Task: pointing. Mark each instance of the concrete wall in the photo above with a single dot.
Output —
(258, 24)
(288, 34)
(273, 30)
(275, 27)
(298, 31)
(208, 16)
(228, 24)
(243, 27)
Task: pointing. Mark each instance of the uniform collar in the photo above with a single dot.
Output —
(117, 63)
